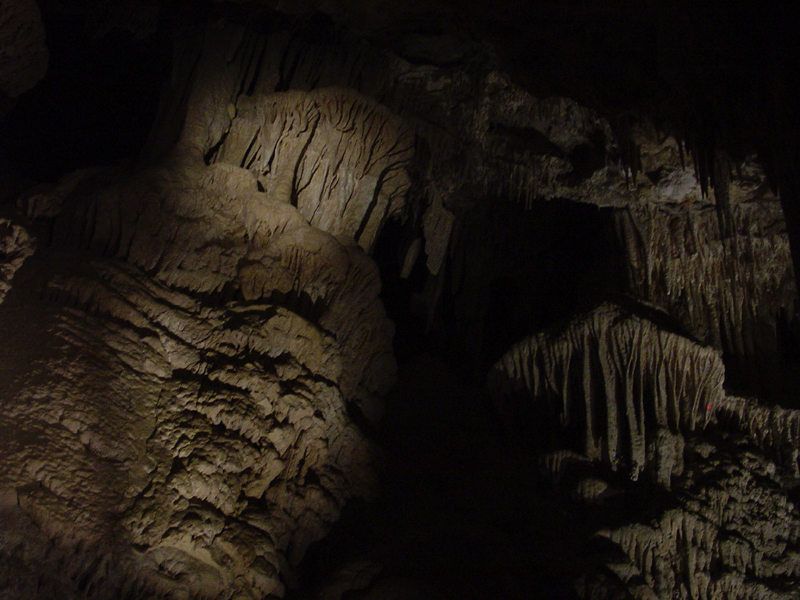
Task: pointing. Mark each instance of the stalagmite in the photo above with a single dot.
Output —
(187, 400)
(206, 343)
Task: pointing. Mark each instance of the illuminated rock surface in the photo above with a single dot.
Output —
(258, 259)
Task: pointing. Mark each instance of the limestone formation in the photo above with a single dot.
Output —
(732, 533)
(197, 367)
(610, 381)
(613, 389)
(184, 406)
(15, 246)
(775, 430)
(472, 133)
(339, 158)
(735, 293)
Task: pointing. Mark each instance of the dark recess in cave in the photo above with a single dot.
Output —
(96, 104)
(540, 264)
(402, 296)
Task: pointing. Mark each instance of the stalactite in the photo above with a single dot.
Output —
(612, 388)
(722, 197)
(726, 294)
(774, 429)
(612, 380)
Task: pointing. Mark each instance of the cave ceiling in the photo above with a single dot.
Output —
(399, 299)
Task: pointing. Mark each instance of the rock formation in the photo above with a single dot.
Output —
(197, 361)
(638, 399)
(224, 224)
(614, 382)
(200, 348)
(733, 291)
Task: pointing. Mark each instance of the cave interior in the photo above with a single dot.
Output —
(355, 300)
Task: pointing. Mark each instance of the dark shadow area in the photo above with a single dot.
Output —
(510, 271)
(460, 508)
(517, 271)
(401, 296)
(96, 104)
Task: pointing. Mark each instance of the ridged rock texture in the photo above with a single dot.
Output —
(613, 382)
(185, 406)
(613, 390)
(733, 290)
(198, 376)
(258, 258)
(15, 246)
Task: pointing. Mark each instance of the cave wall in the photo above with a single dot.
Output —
(224, 224)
